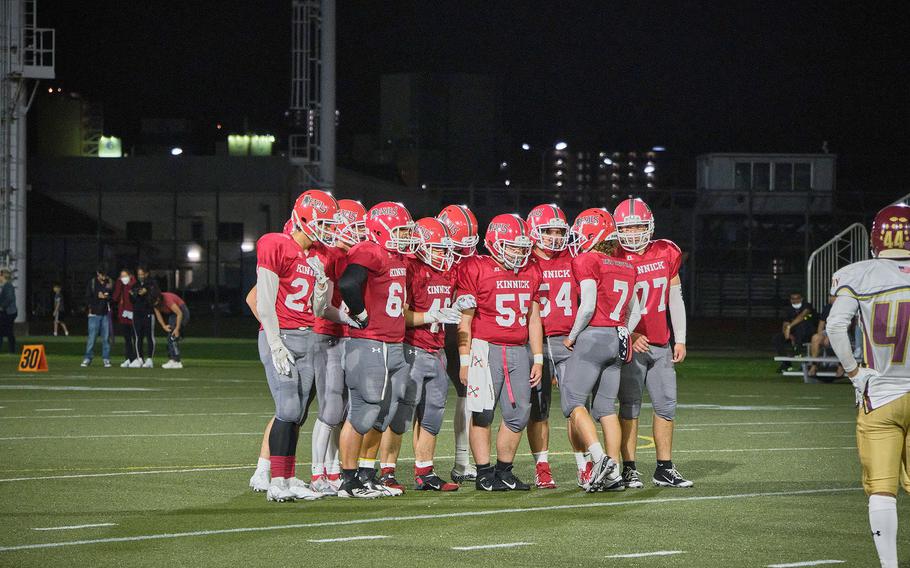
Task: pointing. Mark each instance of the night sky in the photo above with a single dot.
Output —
(694, 77)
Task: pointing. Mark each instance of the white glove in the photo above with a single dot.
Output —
(442, 315)
(465, 302)
(319, 268)
(361, 320)
(861, 380)
(281, 358)
(347, 320)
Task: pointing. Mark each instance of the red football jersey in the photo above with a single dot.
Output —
(280, 254)
(656, 266)
(335, 260)
(615, 284)
(428, 289)
(503, 298)
(558, 293)
(384, 293)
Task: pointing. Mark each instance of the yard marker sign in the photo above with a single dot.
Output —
(33, 359)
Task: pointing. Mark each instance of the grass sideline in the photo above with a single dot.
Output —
(159, 476)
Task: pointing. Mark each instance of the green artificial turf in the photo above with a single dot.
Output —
(773, 460)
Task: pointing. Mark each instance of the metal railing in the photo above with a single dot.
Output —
(848, 246)
(905, 200)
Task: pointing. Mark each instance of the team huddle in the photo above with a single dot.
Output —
(355, 308)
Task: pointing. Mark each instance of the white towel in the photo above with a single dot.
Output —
(480, 381)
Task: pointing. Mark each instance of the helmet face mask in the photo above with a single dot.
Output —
(635, 236)
(508, 242)
(466, 247)
(549, 229)
(315, 215)
(436, 248)
(402, 239)
(353, 233)
(389, 225)
(513, 254)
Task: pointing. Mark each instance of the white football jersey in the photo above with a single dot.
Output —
(880, 289)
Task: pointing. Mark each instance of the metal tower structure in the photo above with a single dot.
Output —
(26, 57)
(311, 146)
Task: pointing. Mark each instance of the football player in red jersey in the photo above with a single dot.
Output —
(659, 292)
(493, 341)
(559, 295)
(462, 226)
(599, 344)
(284, 283)
(328, 348)
(373, 288)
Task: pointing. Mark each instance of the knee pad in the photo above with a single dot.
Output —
(665, 409)
(363, 414)
(600, 409)
(431, 419)
(540, 404)
(332, 412)
(629, 409)
(402, 419)
(289, 409)
(518, 420)
(483, 419)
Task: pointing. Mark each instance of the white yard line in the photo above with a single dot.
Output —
(52, 409)
(74, 527)
(134, 413)
(75, 388)
(349, 538)
(101, 436)
(461, 514)
(643, 554)
(807, 563)
(487, 546)
(130, 411)
(755, 433)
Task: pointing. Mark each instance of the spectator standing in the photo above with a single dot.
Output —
(798, 327)
(172, 307)
(98, 299)
(8, 310)
(143, 296)
(124, 317)
(59, 310)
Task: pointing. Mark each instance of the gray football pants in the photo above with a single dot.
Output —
(291, 393)
(328, 353)
(510, 366)
(593, 369)
(654, 370)
(428, 384)
(375, 374)
(556, 356)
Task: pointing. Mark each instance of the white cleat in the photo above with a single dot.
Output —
(125, 364)
(172, 365)
(324, 486)
(301, 491)
(260, 480)
(135, 363)
(148, 364)
(279, 490)
(86, 363)
(462, 473)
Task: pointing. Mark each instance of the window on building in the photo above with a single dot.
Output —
(783, 177)
(139, 230)
(230, 231)
(802, 177)
(742, 177)
(197, 230)
(761, 176)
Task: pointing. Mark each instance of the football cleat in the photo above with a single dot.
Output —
(172, 365)
(125, 364)
(85, 363)
(355, 489)
(301, 491)
(543, 478)
(279, 490)
(135, 363)
(324, 486)
(464, 473)
(670, 478)
(388, 479)
(432, 482)
(613, 481)
(485, 481)
(383, 490)
(506, 481)
(631, 478)
(600, 471)
(584, 476)
(148, 364)
(260, 480)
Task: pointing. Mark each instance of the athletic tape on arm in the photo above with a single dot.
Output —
(266, 296)
(588, 297)
(678, 314)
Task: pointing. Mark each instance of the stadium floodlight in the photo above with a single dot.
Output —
(508, 183)
(561, 145)
(649, 169)
(525, 146)
(176, 151)
(247, 246)
(194, 253)
(658, 149)
(608, 161)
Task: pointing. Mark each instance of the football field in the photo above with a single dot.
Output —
(139, 467)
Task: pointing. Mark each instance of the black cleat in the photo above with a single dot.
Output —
(670, 477)
(432, 482)
(506, 481)
(485, 480)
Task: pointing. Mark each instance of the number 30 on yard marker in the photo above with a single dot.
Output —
(33, 359)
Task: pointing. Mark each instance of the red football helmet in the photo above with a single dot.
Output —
(634, 213)
(352, 215)
(462, 226)
(314, 216)
(543, 218)
(390, 225)
(507, 238)
(436, 248)
(592, 226)
(288, 227)
(891, 232)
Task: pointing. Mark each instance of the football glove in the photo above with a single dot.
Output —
(442, 315)
(361, 320)
(861, 380)
(281, 358)
(465, 302)
(317, 266)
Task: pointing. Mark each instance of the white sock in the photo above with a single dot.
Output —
(387, 465)
(461, 431)
(321, 434)
(263, 464)
(366, 463)
(541, 457)
(596, 451)
(423, 464)
(332, 463)
(580, 460)
(883, 520)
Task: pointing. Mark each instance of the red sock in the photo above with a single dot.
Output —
(290, 465)
(333, 476)
(278, 466)
(423, 470)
